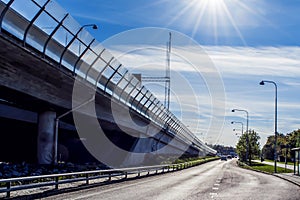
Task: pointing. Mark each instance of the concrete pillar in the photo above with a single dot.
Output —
(45, 143)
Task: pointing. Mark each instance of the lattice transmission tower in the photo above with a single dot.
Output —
(167, 78)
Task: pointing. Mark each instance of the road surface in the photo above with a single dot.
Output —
(214, 180)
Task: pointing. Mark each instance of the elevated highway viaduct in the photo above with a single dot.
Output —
(44, 81)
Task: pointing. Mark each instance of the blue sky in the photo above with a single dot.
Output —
(246, 41)
(260, 22)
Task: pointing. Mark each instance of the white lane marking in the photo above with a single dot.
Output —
(213, 195)
(215, 188)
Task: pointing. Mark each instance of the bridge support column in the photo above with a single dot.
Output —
(45, 143)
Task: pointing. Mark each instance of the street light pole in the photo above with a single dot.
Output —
(75, 36)
(247, 133)
(275, 142)
(234, 122)
(94, 26)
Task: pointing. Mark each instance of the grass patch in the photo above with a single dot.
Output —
(264, 168)
(269, 168)
(289, 163)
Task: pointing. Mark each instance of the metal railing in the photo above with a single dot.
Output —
(48, 28)
(24, 183)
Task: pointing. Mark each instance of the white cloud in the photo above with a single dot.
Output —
(277, 61)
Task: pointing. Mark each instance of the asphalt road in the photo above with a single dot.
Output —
(214, 180)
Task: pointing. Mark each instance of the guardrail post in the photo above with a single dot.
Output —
(125, 175)
(109, 177)
(148, 173)
(8, 185)
(139, 174)
(56, 183)
(156, 171)
(87, 178)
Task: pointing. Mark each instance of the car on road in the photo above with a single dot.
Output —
(224, 158)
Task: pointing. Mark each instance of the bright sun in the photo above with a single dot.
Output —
(213, 3)
(214, 19)
(208, 5)
(212, 14)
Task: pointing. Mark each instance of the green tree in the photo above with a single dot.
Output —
(284, 145)
(294, 138)
(268, 149)
(254, 146)
(224, 150)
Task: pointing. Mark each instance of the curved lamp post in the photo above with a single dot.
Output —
(247, 138)
(234, 122)
(275, 142)
(94, 26)
(237, 134)
(75, 36)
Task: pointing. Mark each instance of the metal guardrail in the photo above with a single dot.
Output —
(59, 179)
(48, 28)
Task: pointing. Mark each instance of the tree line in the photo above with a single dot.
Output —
(283, 146)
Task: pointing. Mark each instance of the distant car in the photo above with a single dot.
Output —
(223, 158)
(229, 157)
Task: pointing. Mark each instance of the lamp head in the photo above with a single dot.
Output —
(262, 83)
(232, 122)
(233, 110)
(95, 26)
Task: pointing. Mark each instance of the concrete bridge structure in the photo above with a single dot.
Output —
(50, 68)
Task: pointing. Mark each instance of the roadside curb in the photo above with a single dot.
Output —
(289, 180)
(240, 164)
